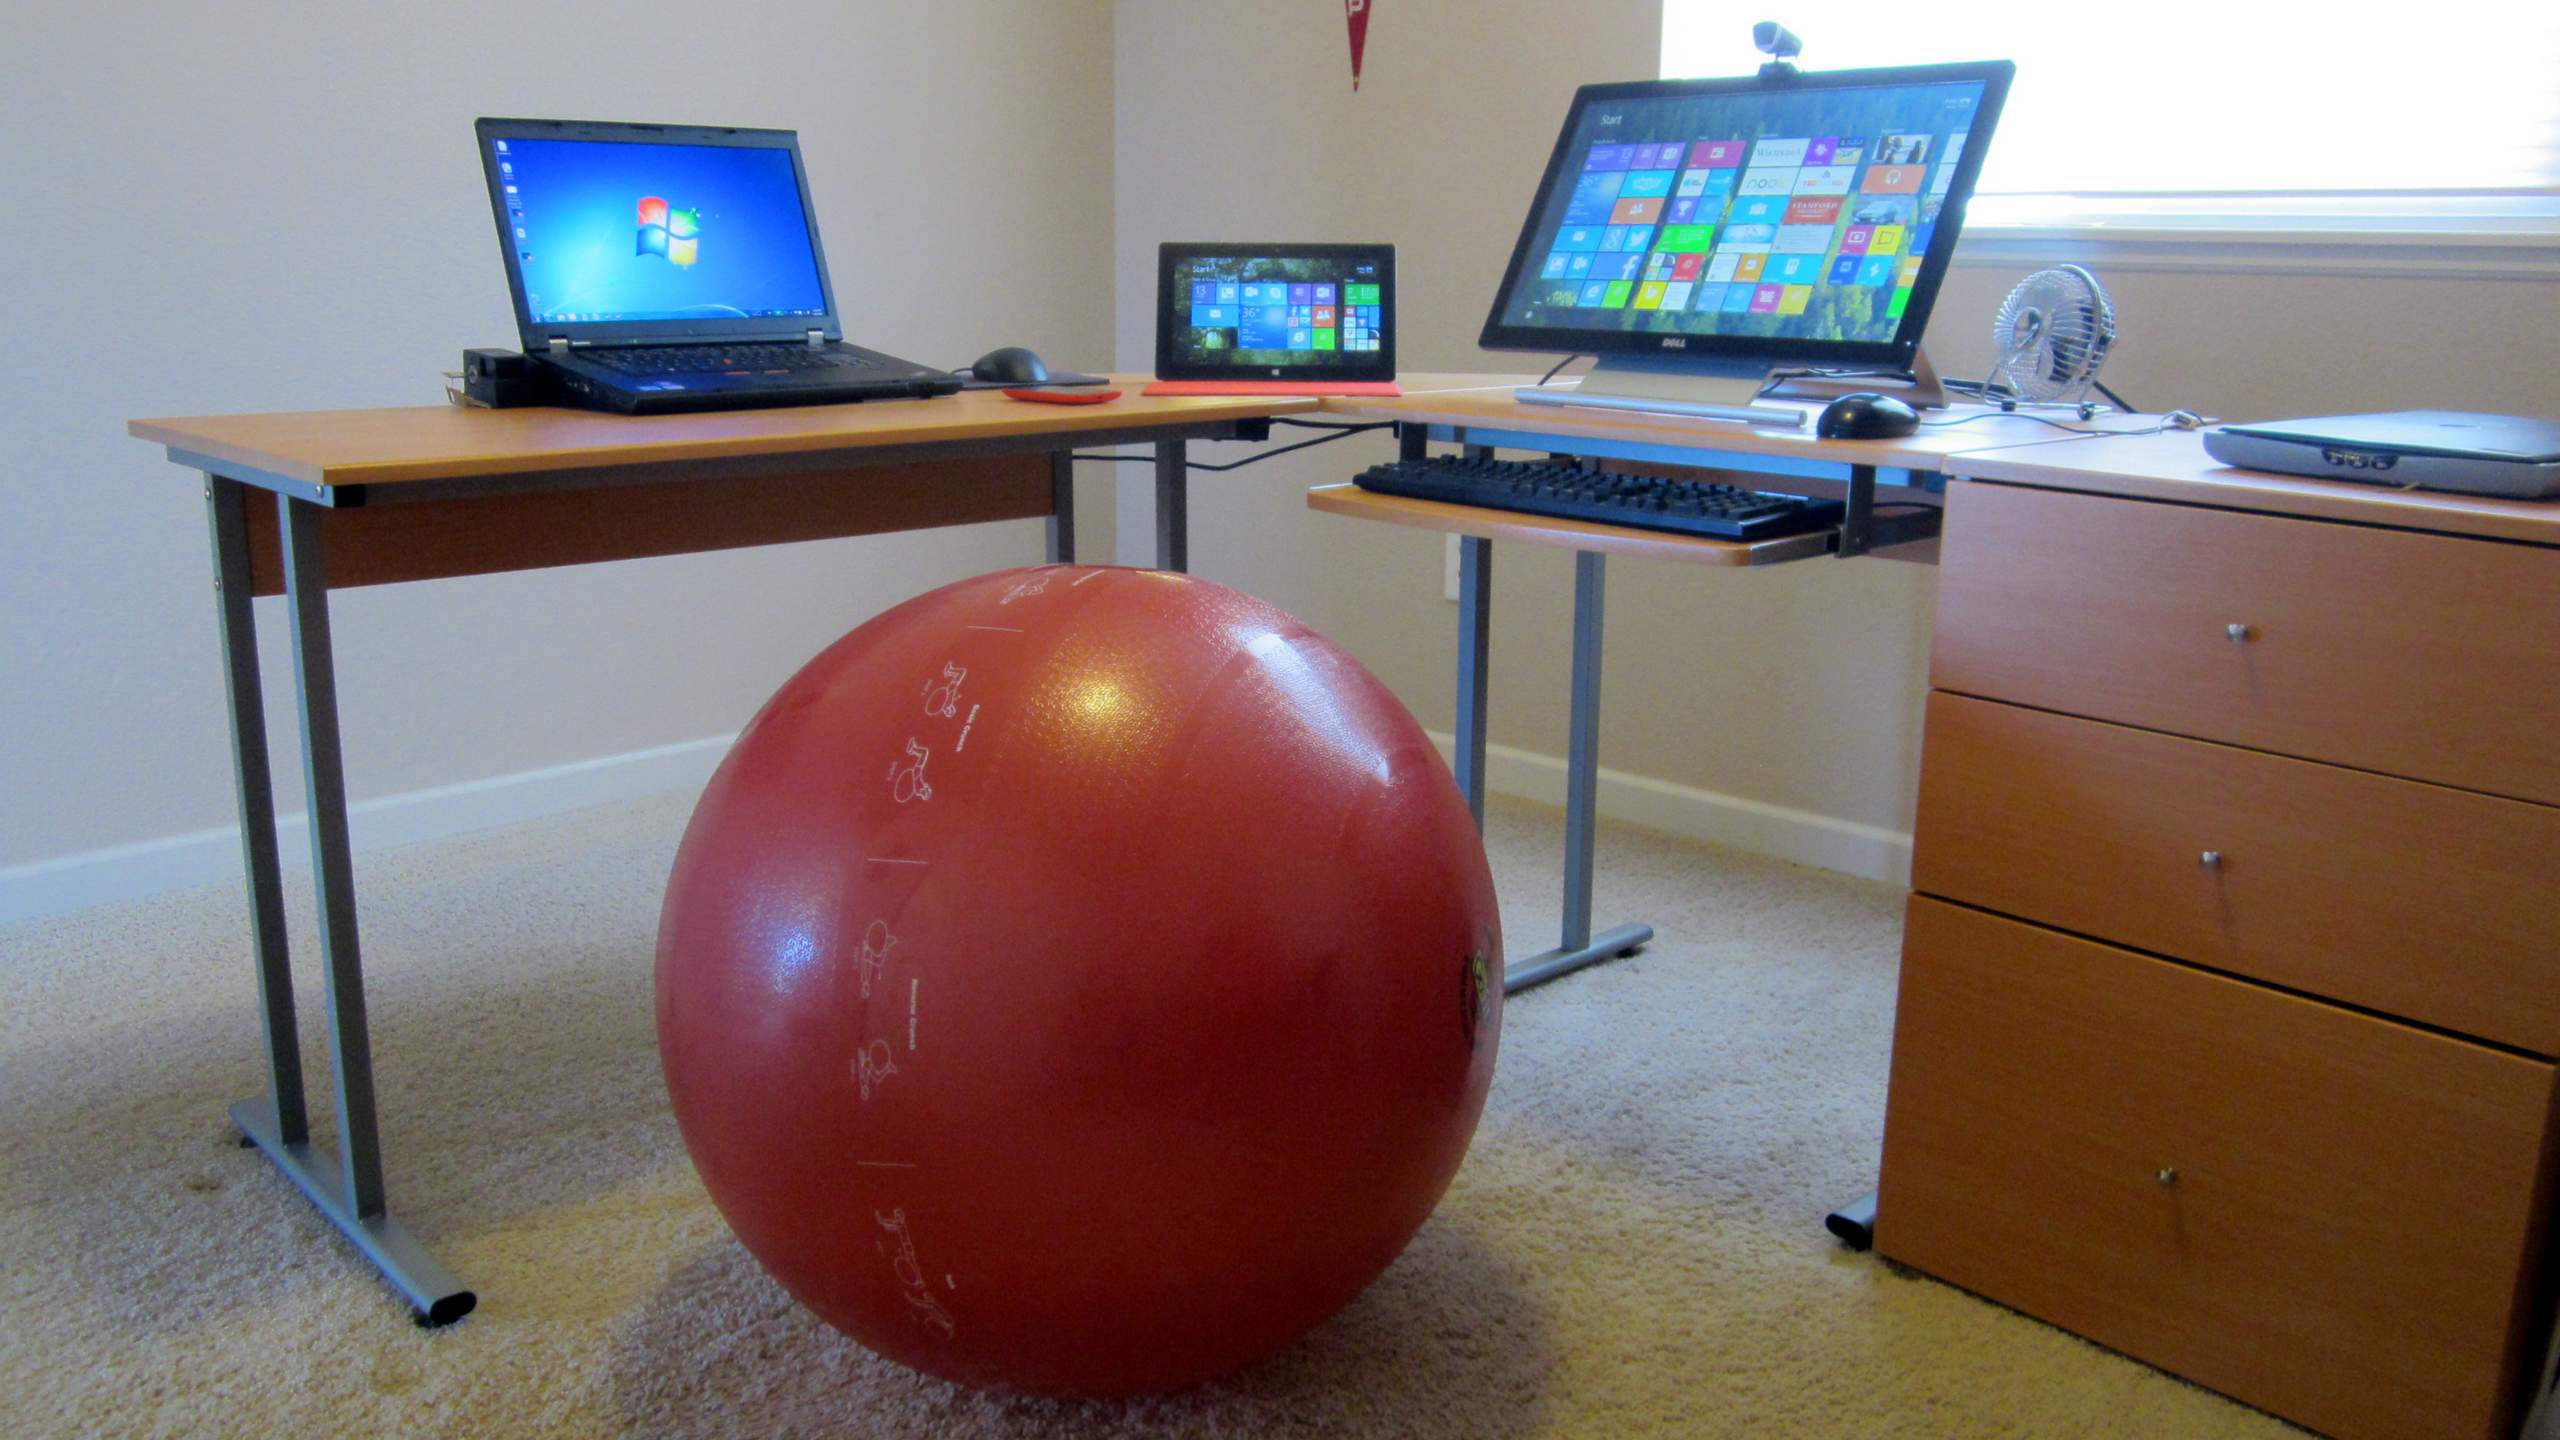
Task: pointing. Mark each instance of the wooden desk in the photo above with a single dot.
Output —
(2229, 1020)
(1483, 409)
(2230, 996)
(367, 497)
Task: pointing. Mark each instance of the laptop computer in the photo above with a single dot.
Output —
(2471, 454)
(660, 268)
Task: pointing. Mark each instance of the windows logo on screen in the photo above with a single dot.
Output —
(672, 233)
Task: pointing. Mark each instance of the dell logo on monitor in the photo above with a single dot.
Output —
(1675, 342)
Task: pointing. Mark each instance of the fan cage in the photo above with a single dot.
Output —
(2052, 336)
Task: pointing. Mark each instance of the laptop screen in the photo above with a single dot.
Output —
(619, 232)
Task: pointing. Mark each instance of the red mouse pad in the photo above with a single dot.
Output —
(1064, 397)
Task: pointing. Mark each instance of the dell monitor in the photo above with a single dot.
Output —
(1696, 235)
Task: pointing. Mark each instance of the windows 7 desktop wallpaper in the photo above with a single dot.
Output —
(607, 231)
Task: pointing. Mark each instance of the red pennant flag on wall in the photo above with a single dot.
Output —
(1355, 13)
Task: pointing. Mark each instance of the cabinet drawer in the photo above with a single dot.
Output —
(2402, 897)
(2350, 1226)
(2418, 655)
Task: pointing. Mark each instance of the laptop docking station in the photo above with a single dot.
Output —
(504, 379)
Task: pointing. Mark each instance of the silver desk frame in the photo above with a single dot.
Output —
(349, 1188)
(1578, 947)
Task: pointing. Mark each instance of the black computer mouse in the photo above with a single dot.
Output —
(1011, 364)
(1866, 415)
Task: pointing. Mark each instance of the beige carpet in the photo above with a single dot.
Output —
(1634, 1246)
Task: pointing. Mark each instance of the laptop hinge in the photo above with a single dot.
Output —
(817, 338)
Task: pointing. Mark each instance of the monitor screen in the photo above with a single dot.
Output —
(1801, 216)
(1271, 310)
(623, 232)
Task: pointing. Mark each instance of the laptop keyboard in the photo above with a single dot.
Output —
(728, 359)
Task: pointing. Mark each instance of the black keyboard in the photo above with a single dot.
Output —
(727, 359)
(1567, 492)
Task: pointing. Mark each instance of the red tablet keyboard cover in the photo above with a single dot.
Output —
(1272, 387)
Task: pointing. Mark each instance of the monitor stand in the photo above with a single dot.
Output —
(1718, 388)
(1919, 388)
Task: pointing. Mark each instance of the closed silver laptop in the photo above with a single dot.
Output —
(2453, 450)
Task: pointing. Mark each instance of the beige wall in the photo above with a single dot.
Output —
(1797, 688)
(277, 206)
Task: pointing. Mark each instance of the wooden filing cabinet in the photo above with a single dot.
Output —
(2231, 983)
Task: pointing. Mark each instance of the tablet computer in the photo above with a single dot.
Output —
(1268, 316)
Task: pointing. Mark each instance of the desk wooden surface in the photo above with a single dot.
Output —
(2174, 466)
(2129, 456)
(1487, 403)
(444, 442)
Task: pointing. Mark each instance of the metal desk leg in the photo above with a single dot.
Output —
(1475, 615)
(1173, 523)
(1581, 800)
(1854, 1223)
(350, 1194)
(1062, 508)
(254, 786)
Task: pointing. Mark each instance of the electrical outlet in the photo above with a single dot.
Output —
(1449, 569)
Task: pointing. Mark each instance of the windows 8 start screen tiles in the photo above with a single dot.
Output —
(1275, 311)
(1802, 216)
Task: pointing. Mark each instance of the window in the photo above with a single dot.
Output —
(2183, 116)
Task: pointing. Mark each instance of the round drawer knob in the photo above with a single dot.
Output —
(2237, 631)
(2168, 1176)
(2211, 859)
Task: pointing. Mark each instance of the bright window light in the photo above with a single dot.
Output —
(2183, 114)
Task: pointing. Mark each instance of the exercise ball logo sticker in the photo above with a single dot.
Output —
(926, 1308)
(1474, 997)
(942, 692)
(906, 774)
(876, 943)
(873, 1067)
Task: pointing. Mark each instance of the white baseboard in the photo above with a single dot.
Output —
(130, 872)
(1801, 836)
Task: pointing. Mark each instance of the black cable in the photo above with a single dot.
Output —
(1781, 378)
(1340, 432)
(1285, 449)
(1991, 394)
(2011, 415)
(1550, 375)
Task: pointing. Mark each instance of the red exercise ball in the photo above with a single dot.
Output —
(1079, 980)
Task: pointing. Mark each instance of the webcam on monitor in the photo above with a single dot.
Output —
(1777, 42)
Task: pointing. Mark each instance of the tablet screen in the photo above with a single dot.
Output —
(1269, 311)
